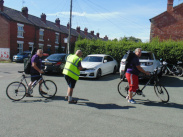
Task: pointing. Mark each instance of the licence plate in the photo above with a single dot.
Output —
(47, 63)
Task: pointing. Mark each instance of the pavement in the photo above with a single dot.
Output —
(100, 111)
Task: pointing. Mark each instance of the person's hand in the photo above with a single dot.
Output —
(41, 71)
(147, 73)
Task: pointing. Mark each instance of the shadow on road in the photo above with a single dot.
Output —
(158, 104)
(103, 106)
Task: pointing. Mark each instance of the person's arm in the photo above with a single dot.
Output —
(142, 70)
(36, 68)
(79, 66)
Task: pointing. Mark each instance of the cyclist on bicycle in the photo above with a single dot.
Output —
(35, 70)
(132, 74)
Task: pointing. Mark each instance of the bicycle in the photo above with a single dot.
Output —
(17, 90)
(159, 89)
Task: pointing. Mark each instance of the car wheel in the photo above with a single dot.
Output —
(99, 73)
(114, 71)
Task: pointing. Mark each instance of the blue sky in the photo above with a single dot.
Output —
(114, 18)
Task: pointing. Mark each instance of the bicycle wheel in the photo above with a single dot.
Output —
(49, 87)
(123, 88)
(161, 92)
(16, 91)
(179, 72)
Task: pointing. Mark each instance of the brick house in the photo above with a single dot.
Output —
(20, 31)
(168, 25)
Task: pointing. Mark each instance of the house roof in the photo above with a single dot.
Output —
(165, 12)
(15, 15)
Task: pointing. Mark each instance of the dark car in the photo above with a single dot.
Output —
(21, 56)
(54, 63)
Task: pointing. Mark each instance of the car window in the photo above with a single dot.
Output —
(109, 59)
(92, 59)
(56, 57)
(147, 56)
(125, 56)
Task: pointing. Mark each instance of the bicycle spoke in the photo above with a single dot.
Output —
(49, 87)
(16, 91)
(161, 92)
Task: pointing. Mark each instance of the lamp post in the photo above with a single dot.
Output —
(70, 23)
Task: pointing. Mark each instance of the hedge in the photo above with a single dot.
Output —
(169, 50)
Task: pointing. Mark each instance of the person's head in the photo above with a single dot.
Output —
(79, 53)
(138, 52)
(40, 52)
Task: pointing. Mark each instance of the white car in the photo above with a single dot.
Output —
(97, 65)
(147, 61)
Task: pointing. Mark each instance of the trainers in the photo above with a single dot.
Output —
(28, 95)
(72, 102)
(131, 101)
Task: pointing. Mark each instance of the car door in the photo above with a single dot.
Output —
(106, 65)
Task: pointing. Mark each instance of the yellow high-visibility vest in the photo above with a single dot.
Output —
(71, 67)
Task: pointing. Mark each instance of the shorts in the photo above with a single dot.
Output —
(35, 76)
(70, 81)
(133, 82)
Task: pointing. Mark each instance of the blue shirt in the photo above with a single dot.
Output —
(133, 63)
(36, 59)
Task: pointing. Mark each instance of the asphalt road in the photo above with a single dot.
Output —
(100, 112)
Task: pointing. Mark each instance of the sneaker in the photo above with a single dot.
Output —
(72, 102)
(28, 95)
(42, 92)
(131, 101)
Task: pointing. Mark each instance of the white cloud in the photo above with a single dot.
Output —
(87, 15)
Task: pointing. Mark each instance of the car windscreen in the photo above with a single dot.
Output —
(56, 57)
(147, 56)
(92, 59)
(21, 53)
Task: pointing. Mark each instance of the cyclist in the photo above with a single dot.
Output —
(132, 74)
(71, 72)
(35, 70)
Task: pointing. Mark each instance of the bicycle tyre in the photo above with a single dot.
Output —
(16, 91)
(161, 92)
(180, 71)
(49, 87)
(123, 88)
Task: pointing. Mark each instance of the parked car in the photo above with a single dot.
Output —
(97, 65)
(147, 61)
(21, 56)
(54, 63)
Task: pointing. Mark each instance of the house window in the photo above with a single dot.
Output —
(20, 30)
(41, 46)
(20, 46)
(31, 46)
(41, 34)
(57, 38)
(56, 49)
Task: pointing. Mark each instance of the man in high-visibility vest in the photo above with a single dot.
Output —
(71, 72)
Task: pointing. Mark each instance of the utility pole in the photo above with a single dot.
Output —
(70, 24)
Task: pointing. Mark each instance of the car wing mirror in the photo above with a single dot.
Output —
(105, 61)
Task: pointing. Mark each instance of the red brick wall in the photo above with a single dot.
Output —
(168, 25)
(4, 33)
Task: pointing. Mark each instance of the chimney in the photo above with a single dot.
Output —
(92, 33)
(78, 29)
(1, 5)
(43, 17)
(68, 25)
(106, 38)
(86, 31)
(57, 22)
(170, 6)
(98, 35)
(25, 11)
